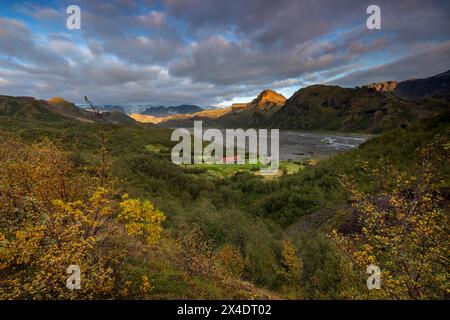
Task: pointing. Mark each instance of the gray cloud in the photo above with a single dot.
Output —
(207, 51)
(16, 42)
(220, 61)
(424, 64)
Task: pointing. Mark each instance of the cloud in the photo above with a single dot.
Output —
(418, 65)
(16, 42)
(209, 51)
(221, 61)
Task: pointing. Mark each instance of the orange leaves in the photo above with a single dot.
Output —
(145, 286)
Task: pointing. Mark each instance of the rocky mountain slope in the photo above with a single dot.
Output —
(256, 113)
(437, 86)
(365, 109)
(373, 108)
(253, 114)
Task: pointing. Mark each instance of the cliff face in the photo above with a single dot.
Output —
(437, 87)
(256, 113)
(267, 100)
(388, 86)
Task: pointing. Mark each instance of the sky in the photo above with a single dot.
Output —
(213, 52)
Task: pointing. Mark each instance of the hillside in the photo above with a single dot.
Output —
(209, 116)
(256, 113)
(54, 110)
(374, 108)
(31, 109)
(301, 207)
(365, 109)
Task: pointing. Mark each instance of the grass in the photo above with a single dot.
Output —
(223, 170)
(156, 148)
(227, 170)
(291, 167)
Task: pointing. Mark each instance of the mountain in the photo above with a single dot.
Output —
(253, 114)
(437, 86)
(373, 108)
(29, 108)
(168, 111)
(209, 116)
(365, 109)
(110, 108)
(68, 109)
(256, 113)
(55, 109)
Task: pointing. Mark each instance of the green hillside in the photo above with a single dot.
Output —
(244, 212)
(353, 110)
(54, 110)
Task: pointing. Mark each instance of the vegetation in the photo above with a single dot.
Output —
(106, 197)
(405, 229)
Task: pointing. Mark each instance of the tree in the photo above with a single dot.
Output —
(53, 215)
(231, 261)
(292, 266)
(405, 229)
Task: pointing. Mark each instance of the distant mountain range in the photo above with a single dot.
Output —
(373, 108)
(254, 113)
(163, 111)
(148, 109)
(111, 108)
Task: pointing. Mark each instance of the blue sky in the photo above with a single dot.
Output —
(212, 52)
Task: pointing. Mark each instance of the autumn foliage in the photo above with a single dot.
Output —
(53, 215)
(404, 230)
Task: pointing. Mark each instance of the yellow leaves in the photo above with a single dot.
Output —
(404, 230)
(292, 264)
(73, 233)
(53, 215)
(141, 218)
(145, 286)
(231, 261)
(25, 246)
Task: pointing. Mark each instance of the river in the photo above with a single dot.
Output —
(296, 145)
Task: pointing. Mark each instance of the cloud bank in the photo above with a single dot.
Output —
(210, 51)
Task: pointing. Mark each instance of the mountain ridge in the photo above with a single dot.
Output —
(55, 109)
(437, 86)
(373, 108)
(164, 111)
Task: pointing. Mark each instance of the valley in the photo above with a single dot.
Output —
(199, 150)
(239, 227)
